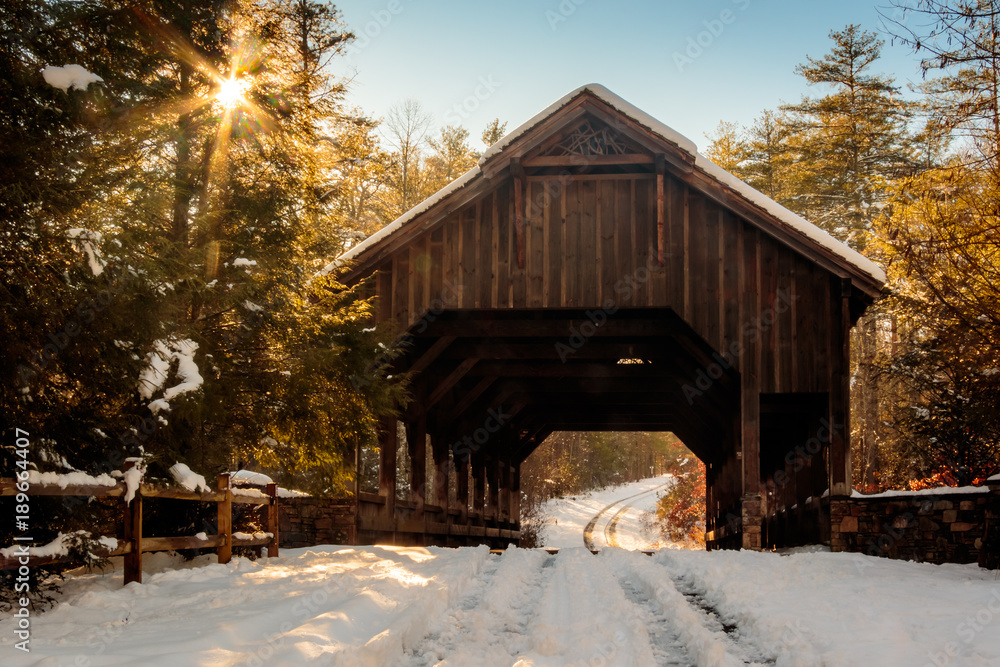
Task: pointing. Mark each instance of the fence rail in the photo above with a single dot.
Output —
(134, 544)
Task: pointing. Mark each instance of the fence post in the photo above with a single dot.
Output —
(272, 519)
(133, 535)
(225, 521)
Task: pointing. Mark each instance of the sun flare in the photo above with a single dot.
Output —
(232, 92)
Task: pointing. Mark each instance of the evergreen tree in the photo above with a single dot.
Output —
(450, 157)
(161, 288)
(851, 141)
(494, 132)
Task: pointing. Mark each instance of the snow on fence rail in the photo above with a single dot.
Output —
(133, 545)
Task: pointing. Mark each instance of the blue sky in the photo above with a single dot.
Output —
(688, 63)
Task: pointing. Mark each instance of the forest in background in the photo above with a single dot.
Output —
(164, 224)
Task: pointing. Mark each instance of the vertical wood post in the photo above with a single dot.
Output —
(661, 235)
(387, 464)
(515, 495)
(442, 470)
(840, 363)
(493, 482)
(478, 486)
(462, 490)
(272, 519)
(133, 535)
(503, 491)
(225, 521)
(518, 173)
(416, 439)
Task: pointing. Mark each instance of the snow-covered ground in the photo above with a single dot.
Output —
(412, 607)
(618, 511)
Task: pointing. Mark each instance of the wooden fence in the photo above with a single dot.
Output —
(134, 544)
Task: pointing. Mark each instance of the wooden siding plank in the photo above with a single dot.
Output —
(468, 288)
(675, 230)
(644, 229)
(484, 266)
(502, 217)
(535, 235)
(606, 200)
(657, 293)
(624, 265)
(768, 326)
(554, 254)
(730, 236)
(571, 247)
(710, 283)
(518, 278)
(587, 259)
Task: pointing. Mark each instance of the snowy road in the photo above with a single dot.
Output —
(607, 523)
(609, 517)
(410, 607)
(413, 607)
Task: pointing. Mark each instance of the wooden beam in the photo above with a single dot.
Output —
(840, 356)
(518, 173)
(471, 396)
(448, 382)
(661, 236)
(432, 353)
(586, 160)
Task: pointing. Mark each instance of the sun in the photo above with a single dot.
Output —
(232, 92)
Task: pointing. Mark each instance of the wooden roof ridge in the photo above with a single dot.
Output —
(787, 226)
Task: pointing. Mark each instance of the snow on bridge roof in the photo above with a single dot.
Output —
(811, 232)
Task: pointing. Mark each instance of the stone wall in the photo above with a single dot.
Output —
(937, 528)
(307, 522)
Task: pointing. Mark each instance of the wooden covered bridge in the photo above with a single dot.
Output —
(594, 272)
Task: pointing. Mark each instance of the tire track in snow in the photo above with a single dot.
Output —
(588, 531)
(489, 624)
(679, 619)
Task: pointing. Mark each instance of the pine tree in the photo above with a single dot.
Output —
(851, 141)
(494, 132)
(162, 292)
(450, 157)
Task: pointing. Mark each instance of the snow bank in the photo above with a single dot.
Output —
(843, 610)
(69, 76)
(937, 491)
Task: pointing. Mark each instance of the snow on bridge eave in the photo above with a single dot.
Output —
(810, 233)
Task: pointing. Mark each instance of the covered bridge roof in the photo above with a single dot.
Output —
(717, 183)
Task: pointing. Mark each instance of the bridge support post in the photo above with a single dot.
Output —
(442, 470)
(416, 440)
(387, 464)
